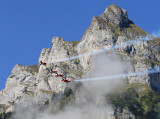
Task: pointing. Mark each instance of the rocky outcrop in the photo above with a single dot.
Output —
(20, 86)
(36, 85)
(116, 14)
(114, 28)
(123, 114)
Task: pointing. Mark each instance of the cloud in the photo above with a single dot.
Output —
(156, 33)
(90, 101)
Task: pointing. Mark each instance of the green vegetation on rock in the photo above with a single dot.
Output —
(77, 73)
(4, 107)
(5, 115)
(130, 28)
(74, 62)
(31, 68)
(48, 92)
(142, 101)
(30, 93)
(152, 61)
(67, 96)
(75, 43)
(154, 42)
(134, 29)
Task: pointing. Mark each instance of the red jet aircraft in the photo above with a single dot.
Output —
(60, 75)
(65, 80)
(42, 63)
(53, 72)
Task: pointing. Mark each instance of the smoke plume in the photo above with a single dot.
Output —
(156, 33)
(90, 101)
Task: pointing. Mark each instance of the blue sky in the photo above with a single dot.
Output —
(27, 26)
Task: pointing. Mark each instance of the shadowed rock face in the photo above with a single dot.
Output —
(34, 84)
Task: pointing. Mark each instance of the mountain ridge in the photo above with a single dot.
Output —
(107, 30)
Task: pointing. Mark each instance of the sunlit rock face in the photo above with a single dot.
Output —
(116, 14)
(36, 85)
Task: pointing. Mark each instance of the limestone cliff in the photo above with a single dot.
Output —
(36, 85)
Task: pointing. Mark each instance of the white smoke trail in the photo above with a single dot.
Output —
(156, 33)
(120, 45)
(152, 71)
(95, 107)
(89, 100)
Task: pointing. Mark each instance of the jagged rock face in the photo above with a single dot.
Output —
(37, 85)
(20, 86)
(116, 14)
(123, 114)
(94, 39)
(48, 84)
(104, 33)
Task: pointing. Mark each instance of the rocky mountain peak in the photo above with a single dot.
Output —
(116, 14)
(38, 84)
(57, 39)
